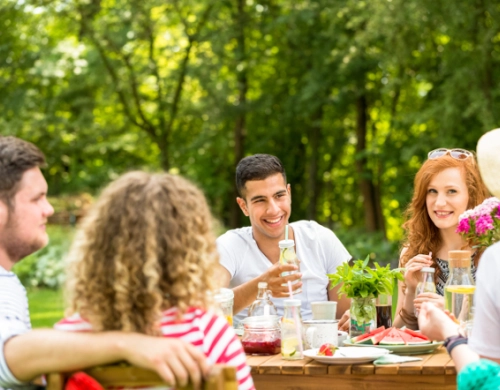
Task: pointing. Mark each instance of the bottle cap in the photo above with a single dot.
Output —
(428, 269)
(262, 285)
(291, 302)
(286, 244)
(460, 259)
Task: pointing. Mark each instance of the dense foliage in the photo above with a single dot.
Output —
(349, 94)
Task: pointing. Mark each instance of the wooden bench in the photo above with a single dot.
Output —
(123, 375)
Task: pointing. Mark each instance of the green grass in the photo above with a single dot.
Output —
(46, 307)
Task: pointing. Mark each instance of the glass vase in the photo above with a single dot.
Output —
(363, 316)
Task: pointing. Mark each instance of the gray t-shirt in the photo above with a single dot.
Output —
(319, 250)
(14, 320)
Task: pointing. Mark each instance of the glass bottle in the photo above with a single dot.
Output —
(426, 284)
(460, 287)
(288, 256)
(225, 298)
(262, 306)
(291, 331)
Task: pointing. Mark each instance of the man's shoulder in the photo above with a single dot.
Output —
(9, 280)
(235, 237)
(312, 229)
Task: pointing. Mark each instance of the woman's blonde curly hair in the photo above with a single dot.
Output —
(147, 245)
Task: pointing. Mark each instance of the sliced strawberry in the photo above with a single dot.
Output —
(327, 350)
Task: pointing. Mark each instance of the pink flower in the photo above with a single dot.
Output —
(463, 226)
(498, 213)
(483, 224)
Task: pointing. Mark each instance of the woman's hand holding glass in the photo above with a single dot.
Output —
(413, 267)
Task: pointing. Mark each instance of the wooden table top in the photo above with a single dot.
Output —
(434, 371)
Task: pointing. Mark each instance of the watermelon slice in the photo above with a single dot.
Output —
(416, 336)
(376, 338)
(393, 338)
(403, 337)
(367, 335)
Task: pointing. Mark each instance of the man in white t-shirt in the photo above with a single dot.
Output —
(25, 354)
(251, 254)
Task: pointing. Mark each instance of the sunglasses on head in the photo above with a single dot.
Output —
(458, 154)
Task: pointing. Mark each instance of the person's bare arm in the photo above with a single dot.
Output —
(44, 351)
(437, 325)
(246, 293)
(343, 305)
(406, 299)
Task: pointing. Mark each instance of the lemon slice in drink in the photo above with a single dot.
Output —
(288, 347)
(288, 255)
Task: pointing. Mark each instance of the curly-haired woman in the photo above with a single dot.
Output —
(144, 261)
(446, 185)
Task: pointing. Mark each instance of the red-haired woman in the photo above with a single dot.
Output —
(446, 185)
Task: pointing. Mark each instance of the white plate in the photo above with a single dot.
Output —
(351, 355)
(414, 349)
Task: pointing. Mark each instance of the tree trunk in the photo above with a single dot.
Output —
(313, 183)
(239, 128)
(371, 200)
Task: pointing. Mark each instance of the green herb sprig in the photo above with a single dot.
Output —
(360, 281)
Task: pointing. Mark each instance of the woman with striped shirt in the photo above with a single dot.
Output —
(144, 261)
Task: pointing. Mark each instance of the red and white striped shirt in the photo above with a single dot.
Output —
(207, 331)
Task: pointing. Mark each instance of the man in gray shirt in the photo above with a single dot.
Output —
(25, 354)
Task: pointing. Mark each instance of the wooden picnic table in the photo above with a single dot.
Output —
(434, 371)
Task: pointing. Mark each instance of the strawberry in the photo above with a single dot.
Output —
(327, 350)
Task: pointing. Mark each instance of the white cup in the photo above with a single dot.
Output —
(319, 332)
(342, 336)
(326, 310)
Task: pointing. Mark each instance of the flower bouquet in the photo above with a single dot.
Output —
(481, 225)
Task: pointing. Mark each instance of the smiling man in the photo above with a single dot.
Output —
(251, 254)
(25, 354)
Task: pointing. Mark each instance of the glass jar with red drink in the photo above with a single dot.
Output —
(261, 336)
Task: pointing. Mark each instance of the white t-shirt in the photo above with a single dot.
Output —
(485, 338)
(319, 250)
(14, 319)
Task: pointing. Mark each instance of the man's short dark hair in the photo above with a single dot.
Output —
(16, 157)
(257, 167)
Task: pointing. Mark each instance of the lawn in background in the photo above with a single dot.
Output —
(46, 307)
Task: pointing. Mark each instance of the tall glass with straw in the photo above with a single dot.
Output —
(291, 331)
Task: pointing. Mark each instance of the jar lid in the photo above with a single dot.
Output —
(291, 302)
(286, 243)
(261, 322)
(428, 269)
(224, 295)
(262, 285)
